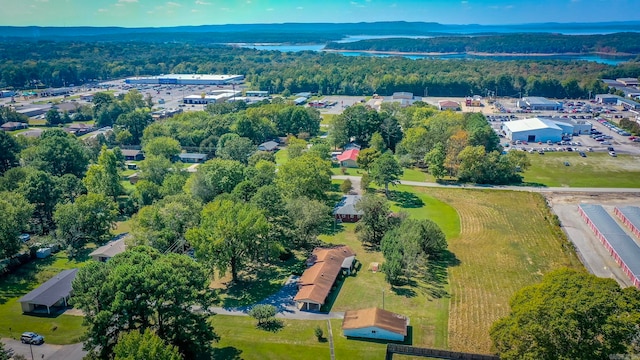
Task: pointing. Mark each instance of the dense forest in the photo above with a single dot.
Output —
(44, 64)
(530, 43)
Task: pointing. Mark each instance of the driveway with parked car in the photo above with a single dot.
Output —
(46, 351)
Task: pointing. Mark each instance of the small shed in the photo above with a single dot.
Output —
(192, 158)
(268, 146)
(109, 250)
(375, 323)
(132, 155)
(346, 211)
(349, 158)
(55, 292)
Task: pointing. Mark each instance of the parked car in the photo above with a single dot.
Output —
(612, 154)
(582, 154)
(31, 338)
(566, 163)
(24, 237)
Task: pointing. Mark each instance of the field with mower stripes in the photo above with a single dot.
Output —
(507, 240)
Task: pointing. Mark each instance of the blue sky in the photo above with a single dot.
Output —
(158, 13)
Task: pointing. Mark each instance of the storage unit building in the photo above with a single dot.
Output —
(621, 246)
(630, 216)
(539, 104)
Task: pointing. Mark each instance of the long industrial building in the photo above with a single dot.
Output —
(620, 245)
(186, 79)
(539, 104)
(630, 216)
(537, 129)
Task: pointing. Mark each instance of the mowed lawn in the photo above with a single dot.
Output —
(507, 241)
(57, 329)
(598, 169)
(425, 300)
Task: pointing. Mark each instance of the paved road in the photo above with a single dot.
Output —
(46, 351)
(504, 187)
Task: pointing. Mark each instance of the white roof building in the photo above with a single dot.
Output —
(186, 79)
(536, 130)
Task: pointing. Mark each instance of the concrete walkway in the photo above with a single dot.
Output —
(539, 189)
(283, 301)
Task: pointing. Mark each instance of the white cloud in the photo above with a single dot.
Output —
(299, 8)
(174, 4)
(128, 1)
(195, 10)
(200, 2)
(102, 10)
(270, 9)
(465, 2)
(119, 4)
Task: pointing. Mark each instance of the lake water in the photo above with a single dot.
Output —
(320, 47)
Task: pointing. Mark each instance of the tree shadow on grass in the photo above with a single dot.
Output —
(271, 325)
(531, 184)
(23, 279)
(225, 353)
(405, 199)
(436, 274)
(258, 283)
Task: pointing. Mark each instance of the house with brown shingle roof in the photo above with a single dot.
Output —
(375, 323)
(324, 267)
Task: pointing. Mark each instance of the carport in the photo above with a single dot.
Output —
(54, 292)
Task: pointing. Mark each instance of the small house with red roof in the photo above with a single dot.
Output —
(349, 158)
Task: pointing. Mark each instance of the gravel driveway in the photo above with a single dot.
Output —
(46, 351)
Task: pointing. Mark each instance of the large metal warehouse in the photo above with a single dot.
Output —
(539, 103)
(186, 79)
(536, 129)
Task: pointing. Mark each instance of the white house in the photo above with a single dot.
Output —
(375, 323)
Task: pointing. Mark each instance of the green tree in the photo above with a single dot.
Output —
(142, 289)
(295, 147)
(215, 177)
(57, 153)
(146, 192)
(321, 150)
(269, 200)
(53, 117)
(261, 155)
(245, 190)
(10, 151)
(16, 212)
(162, 146)
(435, 159)
(415, 143)
(366, 157)
(135, 122)
(135, 345)
(377, 143)
(41, 190)
(375, 219)
(264, 174)
(346, 186)
(173, 183)
(235, 148)
(89, 219)
(306, 175)
(70, 188)
(263, 313)
(155, 168)
(309, 219)
(295, 120)
(230, 234)
(104, 176)
(569, 315)
(164, 224)
(386, 170)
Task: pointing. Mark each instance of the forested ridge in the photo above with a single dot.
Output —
(43, 64)
(529, 43)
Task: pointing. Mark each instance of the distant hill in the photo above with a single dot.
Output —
(299, 32)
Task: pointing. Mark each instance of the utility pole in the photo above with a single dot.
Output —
(382, 299)
(426, 91)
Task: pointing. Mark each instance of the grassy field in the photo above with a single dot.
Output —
(425, 299)
(295, 339)
(57, 329)
(506, 242)
(595, 170)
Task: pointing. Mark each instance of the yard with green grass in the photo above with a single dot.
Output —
(57, 329)
(598, 169)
